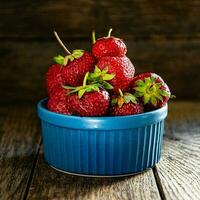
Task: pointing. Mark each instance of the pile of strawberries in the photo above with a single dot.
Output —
(102, 82)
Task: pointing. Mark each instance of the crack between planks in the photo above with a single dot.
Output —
(32, 169)
(158, 183)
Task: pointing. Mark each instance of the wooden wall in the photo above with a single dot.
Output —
(162, 36)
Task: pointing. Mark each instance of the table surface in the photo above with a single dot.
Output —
(25, 175)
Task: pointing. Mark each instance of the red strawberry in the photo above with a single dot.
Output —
(123, 70)
(53, 78)
(73, 74)
(108, 46)
(125, 104)
(57, 102)
(94, 103)
(76, 64)
(89, 101)
(151, 89)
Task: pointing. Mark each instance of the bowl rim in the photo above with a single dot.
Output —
(100, 123)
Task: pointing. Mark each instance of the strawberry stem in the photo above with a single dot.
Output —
(93, 37)
(109, 32)
(120, 92)
(61, 43)
(85, 79)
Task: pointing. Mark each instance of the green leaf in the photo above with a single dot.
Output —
(105, 70)
(95, 88)
(107, 85)
(159, 97)
(71, 58)
(147, 80)
(108, 77)
(139, 94)
(153, 79)
(158, 85)
(139, 83)
(146, 98)
(81, 93)
(153, 101)
(130, 98)
(68, 87)
(113, 102)
(172, 96)
(96, 69)
(88, 89)
(164, 93)
(140, 89)
(59, 59)
(77, 53)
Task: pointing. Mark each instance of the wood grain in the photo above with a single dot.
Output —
(75, 19)
(50, 184)
(23, 66)
(178, 173)
(18, 147)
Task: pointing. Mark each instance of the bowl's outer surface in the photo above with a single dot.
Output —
(102, 146)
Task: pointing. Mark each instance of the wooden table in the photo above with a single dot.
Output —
(25, 175)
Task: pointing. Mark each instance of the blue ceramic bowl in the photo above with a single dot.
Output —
(102, 146)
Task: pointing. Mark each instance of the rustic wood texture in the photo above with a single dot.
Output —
(132, 18)
(50, 184)
(23, 66)
(178, 173)
(175, 177)
(18, 147)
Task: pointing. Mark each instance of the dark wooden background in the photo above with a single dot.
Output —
(162, 36)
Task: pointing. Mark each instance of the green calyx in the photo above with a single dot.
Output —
(59, 59)
(101, 77)
(150, 91)
(83, 88)
(124, 98)
(64, 60)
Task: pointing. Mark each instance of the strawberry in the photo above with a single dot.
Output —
(123, 70)
(151, 89)
(88, 100)
(125, 104)
(53, 78)
(57, 102)
(76, 64)
(74, 72)
(108, 46)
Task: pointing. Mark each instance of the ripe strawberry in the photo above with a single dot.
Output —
(53, 78)
(123, 70)
(57, 102)
(88, 100)
(77, 64)
(73, 73)
(125, 104)
(151, 89)
(108, 46)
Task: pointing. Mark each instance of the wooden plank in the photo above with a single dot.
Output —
(178, 173)
(131, 19)
(51, 184)
(18, 148)
(23, 66)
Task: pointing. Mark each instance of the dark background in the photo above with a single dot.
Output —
(162, 36)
